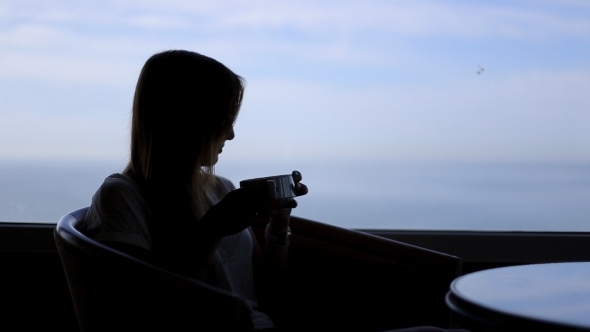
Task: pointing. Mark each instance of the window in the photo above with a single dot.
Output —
(405, 114)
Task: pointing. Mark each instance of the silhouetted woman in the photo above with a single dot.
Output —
(168, 206)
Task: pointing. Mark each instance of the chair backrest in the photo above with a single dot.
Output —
(341, 279)
(113, 291)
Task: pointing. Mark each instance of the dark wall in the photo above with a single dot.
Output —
(35, 296)
(34, 293)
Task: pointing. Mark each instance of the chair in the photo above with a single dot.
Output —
(113, 291)
(344, 280)
(337, 279)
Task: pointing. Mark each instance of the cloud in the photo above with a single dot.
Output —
(346, 33)
(311, 17)
(52, 137)
(64, 68)
(360, 71)
(520, 116)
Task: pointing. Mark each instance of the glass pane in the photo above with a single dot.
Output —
(399, 114)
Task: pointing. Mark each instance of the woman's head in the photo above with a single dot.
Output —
(184, 108)
(185, 105)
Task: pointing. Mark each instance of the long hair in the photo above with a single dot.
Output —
(185, 103)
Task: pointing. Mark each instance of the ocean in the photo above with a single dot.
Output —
(370, 195)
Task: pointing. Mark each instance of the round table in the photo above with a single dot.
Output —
(524, 298)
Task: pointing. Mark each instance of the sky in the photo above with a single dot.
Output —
(325, 80)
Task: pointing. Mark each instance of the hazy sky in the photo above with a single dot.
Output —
(325, 79)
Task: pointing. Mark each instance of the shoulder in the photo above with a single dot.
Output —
(223, 185)
(117, 192)
(119, 213)
(117, 185)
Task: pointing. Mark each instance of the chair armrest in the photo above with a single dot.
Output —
(345, 279)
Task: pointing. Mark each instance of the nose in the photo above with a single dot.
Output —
(230, 135)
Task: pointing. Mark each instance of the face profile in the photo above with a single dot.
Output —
(228, 137)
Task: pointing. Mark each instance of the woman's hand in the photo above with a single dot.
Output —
(240, 208)
(279, 220)
(235, 212)
(300, 188)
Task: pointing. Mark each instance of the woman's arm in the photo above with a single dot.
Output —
(277, 236)
(232, 214)
(277, 233)
(271, 261)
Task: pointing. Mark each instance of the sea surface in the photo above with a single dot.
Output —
(370, 195)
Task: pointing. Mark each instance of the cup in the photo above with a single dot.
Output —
(278, 186)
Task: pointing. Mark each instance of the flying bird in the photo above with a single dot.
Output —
(480, 70)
